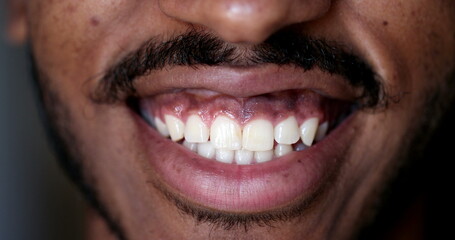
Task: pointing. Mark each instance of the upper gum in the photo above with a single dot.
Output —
(183, 105)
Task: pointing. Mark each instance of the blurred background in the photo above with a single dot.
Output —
(36, 199)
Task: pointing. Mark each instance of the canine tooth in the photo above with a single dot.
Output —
(258, 135)
(161, 127)
(225, 156)
(195, 130)
(243, 157)
(225, 133)
(322, 131)
(308, 130)
(191, 146)
(206, 150)
(263, 156)
(287, 131)
(175, 126)
(282, 149)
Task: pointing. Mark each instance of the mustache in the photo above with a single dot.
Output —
(196, 48)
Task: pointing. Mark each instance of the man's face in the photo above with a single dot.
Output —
(245, 90)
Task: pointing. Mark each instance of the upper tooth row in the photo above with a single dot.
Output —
(257, 135)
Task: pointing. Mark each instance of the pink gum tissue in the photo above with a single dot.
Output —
(272, 107)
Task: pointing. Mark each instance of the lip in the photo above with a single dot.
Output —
(298, 176)
(246, 81)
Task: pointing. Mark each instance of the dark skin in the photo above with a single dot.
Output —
(410, 45)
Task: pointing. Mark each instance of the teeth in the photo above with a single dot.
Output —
(258, 135)
(228, 144)
(263, 156)
(191, 146)
(287, 131)
(206, 150)
(225, 133)
(243, 157)
(225, 156)
(322, 131)
(175, 127)
(308, 130)
(195, 130)
(161, 127)
(282, 149)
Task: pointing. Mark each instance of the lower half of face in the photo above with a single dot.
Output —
(238, 150)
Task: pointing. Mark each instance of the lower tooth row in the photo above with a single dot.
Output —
(227, 142)
(241, 157)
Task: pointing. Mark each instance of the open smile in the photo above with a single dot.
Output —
(245, 139)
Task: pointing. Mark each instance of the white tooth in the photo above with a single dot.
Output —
(191, 146)
(322, 131)
(175, 126)
(243, 157)
(161, 127)
(195, 130)
(225, 156)
(308, 130)
(287, 131)
(282, 149)
(206, 150)
(263, 156)
(258, 135)
(225, 133)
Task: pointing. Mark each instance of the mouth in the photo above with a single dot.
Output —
(244, 140)
(243, 131)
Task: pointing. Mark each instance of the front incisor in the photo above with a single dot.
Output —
(225, 133)
(258, 135)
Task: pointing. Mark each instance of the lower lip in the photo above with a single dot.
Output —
(297, 176)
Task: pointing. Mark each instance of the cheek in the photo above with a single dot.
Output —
(113, 158)
(74, 42)
(383, 138)
(420, 34)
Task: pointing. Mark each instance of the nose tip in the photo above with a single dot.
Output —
(240, 21)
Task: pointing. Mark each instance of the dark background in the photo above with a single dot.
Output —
(36, 199)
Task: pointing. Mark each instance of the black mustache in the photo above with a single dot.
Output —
(195, 48)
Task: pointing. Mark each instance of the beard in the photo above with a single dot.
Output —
(418, 188)
(401, 188)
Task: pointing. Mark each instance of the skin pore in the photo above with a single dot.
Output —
(409, 46)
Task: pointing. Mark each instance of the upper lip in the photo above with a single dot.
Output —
(245, 81)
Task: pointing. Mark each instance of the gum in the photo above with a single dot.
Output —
(275, 107)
